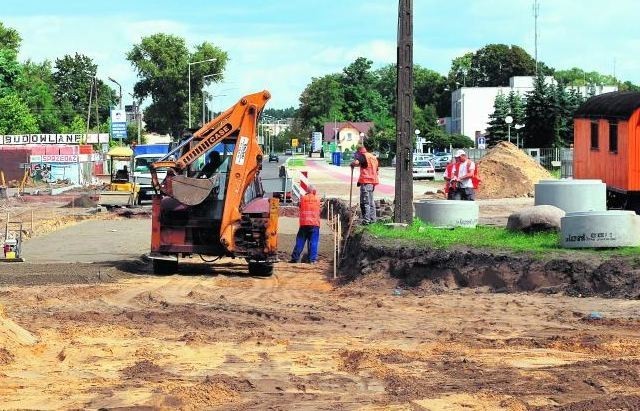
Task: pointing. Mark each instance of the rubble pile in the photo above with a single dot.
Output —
(507, 171)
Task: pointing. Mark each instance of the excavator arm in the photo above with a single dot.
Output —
(238, 124)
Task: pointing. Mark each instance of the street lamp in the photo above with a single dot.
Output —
(190, 64)
(518, 127)
(508, 120)
(138, 116)
(204, 93)
(362, 138)
(120, 90)
(418, 142)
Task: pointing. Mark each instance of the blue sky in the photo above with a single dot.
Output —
(280, 45)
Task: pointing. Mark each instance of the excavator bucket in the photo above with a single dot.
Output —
(192, 191)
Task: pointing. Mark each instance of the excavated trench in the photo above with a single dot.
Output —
(441, 269)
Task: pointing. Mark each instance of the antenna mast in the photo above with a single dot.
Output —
(536, 12)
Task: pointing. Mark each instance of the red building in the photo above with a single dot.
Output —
(607, 145)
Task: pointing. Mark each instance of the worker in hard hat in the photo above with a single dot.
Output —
(367, 181)
(464, 177)
(309, 231)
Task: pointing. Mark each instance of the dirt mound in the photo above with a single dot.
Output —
(84, 201)
(436, 270)
(507, 171)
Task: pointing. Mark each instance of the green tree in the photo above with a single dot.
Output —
(162, 64)
(9, 39)
(459, 71)
(539, 130)
(281, 113)
(15, 117)
(494, 64)
(9, 71)
(516, 107)
(36, 87)
(362, 100)
(628, 86)
(565, 104)
(78, 125)
(498, 128)
(578, 77)
(9, 66)
(431, 88)
(74, 77)
(321, 101)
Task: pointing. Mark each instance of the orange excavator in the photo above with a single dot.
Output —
(220, 209)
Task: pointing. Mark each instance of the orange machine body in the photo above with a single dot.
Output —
(233, 218)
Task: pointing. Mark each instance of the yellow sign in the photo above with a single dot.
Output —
(294, 142)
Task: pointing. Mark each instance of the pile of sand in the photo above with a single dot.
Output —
(508, 172)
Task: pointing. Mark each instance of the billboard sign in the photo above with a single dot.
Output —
(118, 124)
(67, 138)
(316, 141)
(54, 158)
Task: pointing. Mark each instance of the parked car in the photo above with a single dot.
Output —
(273, 157)
(440, 162)
(416, 157)
(423, 169)
(288, 152)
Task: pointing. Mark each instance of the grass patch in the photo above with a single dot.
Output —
(556, 173)
(486, 237)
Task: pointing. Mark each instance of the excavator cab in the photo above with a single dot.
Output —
(211, 201)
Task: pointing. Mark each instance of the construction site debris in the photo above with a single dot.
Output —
(84, 201)
(507, 171)
(535, 219)
(437, 270)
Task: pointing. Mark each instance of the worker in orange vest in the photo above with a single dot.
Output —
(367, 182)
(309, 230)
(464, 176)
(449, 187)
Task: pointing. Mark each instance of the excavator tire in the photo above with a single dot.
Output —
(164, 267)
(260, 269)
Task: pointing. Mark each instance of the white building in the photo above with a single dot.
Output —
(472, 106)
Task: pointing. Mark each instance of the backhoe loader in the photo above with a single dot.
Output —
(220, 209)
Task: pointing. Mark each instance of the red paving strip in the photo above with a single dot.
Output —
(344, 175)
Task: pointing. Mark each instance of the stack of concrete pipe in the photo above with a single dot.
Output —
(448, 213)
(588, 223)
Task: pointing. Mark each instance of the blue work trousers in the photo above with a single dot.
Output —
(306, 233)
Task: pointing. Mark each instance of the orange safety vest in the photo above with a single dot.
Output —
(369, 174)
(310, 210)
(449, 172)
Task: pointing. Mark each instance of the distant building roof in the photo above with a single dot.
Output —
(616, 105)
(329, 133)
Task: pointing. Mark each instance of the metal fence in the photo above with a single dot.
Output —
(553, 159)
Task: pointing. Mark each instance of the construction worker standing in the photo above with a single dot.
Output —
(464, 172)
(367, 181)
(309, 230)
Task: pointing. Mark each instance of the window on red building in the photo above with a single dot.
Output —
(613, 136)
(595, 139)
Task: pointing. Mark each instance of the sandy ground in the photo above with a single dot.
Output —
(112, 335)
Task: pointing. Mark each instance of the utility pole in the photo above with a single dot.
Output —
(403, 210)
